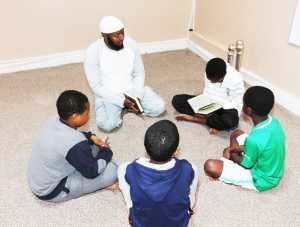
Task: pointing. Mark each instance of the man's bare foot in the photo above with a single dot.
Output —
(114, 187)
(213, 131)
(183, 117)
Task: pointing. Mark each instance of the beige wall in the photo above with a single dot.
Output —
(264, 26)
(42, 27)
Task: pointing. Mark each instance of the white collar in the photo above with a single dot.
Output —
(268, 122)
(146, 162)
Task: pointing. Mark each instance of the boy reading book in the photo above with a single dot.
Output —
(223, 85)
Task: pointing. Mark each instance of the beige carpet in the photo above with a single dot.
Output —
(28, 99)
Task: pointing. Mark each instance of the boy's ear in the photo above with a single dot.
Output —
(73, 117)
(176, 153)
(248, 110)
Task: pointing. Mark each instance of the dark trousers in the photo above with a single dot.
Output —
(221, 119)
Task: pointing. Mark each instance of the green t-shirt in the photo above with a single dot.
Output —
(264, 153)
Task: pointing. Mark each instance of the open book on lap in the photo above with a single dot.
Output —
(201, 104)
(241, 138)
(136, 102)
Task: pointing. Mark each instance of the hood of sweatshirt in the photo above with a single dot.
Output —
(156, 184)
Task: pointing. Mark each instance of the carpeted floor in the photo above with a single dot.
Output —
(28, 99)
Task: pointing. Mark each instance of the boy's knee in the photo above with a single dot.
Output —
(113, 167)
(175, 101)
(231, 120)
(212, 168)
(111, 173)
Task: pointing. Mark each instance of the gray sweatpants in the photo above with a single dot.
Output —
(78, 185)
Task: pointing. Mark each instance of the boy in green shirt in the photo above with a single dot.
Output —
(258, 162)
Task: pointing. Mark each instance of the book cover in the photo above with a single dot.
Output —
(136, 101)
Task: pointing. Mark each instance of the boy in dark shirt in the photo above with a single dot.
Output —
(159, 191)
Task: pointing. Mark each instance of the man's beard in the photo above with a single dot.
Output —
(114, 46)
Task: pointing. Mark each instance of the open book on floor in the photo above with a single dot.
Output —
(136, 102)
(202, 104)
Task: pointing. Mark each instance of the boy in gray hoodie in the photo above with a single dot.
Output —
(67, 163)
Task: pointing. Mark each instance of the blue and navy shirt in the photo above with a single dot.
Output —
(160, 198)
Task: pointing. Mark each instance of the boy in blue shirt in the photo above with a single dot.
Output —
(159, 191)
(67, 163)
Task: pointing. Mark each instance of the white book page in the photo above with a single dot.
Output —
(203, 105)
(198, 102)
(241, 138)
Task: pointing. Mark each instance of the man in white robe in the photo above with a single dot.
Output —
(113, 66)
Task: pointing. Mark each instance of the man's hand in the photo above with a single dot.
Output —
(100, 142)
(130, 106)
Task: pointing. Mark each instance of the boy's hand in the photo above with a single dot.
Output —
(233, 137)
(226, 152)
(100, 142)
(191, 211)
(129, 220)
(236, 133)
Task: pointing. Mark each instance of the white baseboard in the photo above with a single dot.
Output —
(204, 54)
(41, 62)
(78, 56)
(162, 46)
(290, 102)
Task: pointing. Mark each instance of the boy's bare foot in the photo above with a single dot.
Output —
(199, 118)
(183, 117)
(114, 187)
(213, 131)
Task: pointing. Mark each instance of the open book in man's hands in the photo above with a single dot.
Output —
(201, 104)
(136, 102)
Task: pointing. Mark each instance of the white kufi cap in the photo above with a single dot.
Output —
(110, 24)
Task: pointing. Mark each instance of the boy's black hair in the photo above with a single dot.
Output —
(259, 99)
(70, 102)
(161, 140)
(215, 69)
